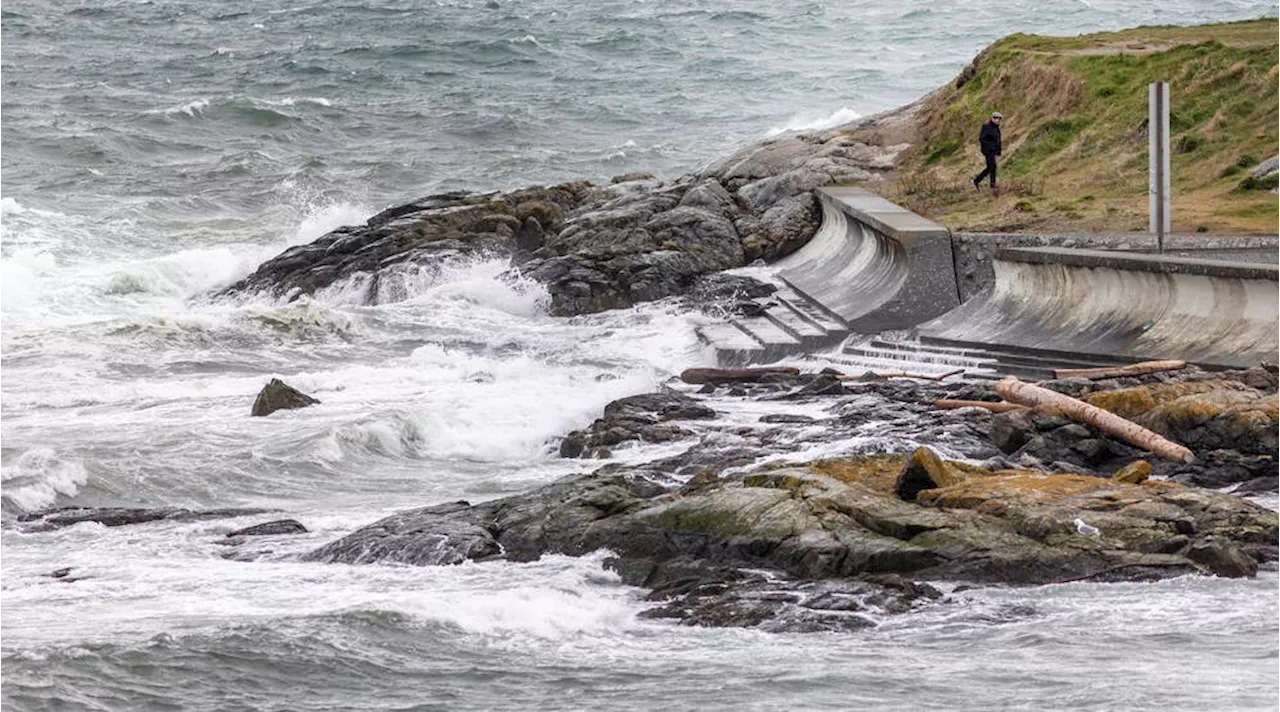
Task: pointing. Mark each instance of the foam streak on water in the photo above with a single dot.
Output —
(155, 151)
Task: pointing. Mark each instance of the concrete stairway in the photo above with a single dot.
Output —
(788, 324)
(934, 357)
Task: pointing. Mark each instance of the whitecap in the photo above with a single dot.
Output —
(39, 477)
(806, 121)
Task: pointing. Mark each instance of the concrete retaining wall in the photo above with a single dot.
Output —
(874, 265)
(1134, 306)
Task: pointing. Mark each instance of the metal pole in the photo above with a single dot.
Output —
(1159, 199)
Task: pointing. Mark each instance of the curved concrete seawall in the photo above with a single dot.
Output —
(1122, 306)
(873, 264)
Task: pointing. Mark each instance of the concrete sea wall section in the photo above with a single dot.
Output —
(1117, 305)
(875, 266)
(872, 266)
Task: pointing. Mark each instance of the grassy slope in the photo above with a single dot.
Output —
(1075, 141)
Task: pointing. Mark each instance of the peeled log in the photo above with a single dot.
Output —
(1011, 389)
(734, 375)
(993, 406)
(1133, 369)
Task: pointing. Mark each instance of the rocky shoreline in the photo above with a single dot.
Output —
(599, 247)
(741, 530)
(754, 522)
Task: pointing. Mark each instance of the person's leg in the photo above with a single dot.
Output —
(977, 180)
(991, 169)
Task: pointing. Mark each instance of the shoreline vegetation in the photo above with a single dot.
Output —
(1075, 133)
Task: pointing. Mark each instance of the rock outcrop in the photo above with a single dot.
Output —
(834, 524)
(49, 519)
(722, 534)
(278, 395)
(595, 247)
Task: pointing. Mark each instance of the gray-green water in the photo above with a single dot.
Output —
(155, 150)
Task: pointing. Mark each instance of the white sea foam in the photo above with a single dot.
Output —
(10, 207)
(323, 218)
(809, 122)
(39, 477)
(293, 101)
(190, 108)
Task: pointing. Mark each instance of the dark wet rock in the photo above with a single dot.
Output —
(786, 418)
(822, 384)
(1033, 437)
(657, 406)
(1223, 558)
(429, 536)
(734, 598)
(50, 519)
(645, 417)
(827, 529)
(1220, 468)
(399, 241)
(274, 528)
(278, 395)
(923, 470)
(594, 247)
(1258, 485)
(720, 294)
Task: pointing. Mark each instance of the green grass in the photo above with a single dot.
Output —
(1075, 120)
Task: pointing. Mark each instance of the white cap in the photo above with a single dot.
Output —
(997, 115)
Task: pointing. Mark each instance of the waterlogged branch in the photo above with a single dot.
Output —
(1013, 390)
(1133, 369)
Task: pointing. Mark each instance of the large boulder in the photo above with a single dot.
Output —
(278, 395)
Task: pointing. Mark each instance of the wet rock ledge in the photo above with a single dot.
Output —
(596, 247)
(721, 536)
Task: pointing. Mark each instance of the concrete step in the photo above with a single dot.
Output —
(857, 364)
(733, 347)
(810, 311)
(810, 335)
(913, 346)
(777, 343)
(908, 358)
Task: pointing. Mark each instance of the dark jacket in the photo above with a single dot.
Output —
(989, 139)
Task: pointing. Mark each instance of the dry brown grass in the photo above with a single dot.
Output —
(1076, 139)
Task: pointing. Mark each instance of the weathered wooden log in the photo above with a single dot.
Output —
(905, 374)
(734, 375)
(993, 406)
(1133, 369)
(1011, 389)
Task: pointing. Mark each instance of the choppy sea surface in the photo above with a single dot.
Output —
(155, 150)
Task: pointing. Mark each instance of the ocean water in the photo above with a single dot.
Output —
(155, 150)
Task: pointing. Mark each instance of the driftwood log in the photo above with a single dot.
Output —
(1011, 389)
(734, 375)
(904, 374)
(1133, 369)
(993, 406)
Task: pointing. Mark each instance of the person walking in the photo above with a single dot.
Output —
(989, 143)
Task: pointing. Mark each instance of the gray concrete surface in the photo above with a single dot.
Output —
(1130, 306)
(874, 264)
